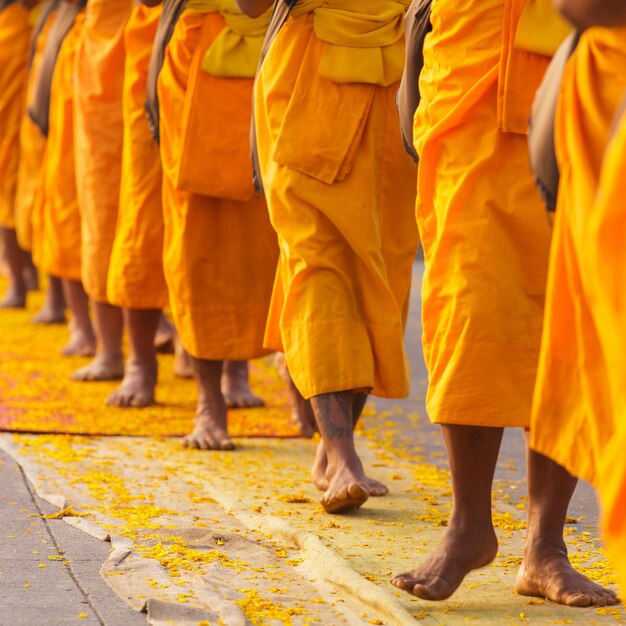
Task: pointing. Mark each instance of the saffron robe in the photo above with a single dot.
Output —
(135, 277)
(220, 250)
(340, 192)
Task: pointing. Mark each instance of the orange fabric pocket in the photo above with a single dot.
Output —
(215, 128)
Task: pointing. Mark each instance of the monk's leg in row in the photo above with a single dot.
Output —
(235, 387)
(301, 411)
(82, 337)
(140, 374)
(183, 367)
(546, 571)
(15, 259)
(108, 363)
(210, 431)
(53, 309)
(165, 334)
(469, 541)
(348, 486)
(320, 465)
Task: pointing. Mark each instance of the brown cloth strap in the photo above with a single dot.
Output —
(4, 4)
(620, 116)
(279, 17)
(47, 10)
(169, 16)
(39, 108)
(416, 26)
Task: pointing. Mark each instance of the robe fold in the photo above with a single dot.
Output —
(99, 78)
(340, 192)
(483, 226)
(220, 251)
(135, 277)
(57, 223)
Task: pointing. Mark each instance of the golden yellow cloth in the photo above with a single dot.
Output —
(573, 416)
(340, 192)
(32, 149)
(541, 28)
(99, 79)
(135, 277)
(483, 227)
(15, 31)
(605, 264)
(57, 222)
(220, 254)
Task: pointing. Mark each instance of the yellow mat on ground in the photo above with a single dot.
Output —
(37, 395)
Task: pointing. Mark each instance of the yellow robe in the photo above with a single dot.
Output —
(15, 30)
(135, 277)
(604, 257)
(32, 149)
(579, 408)
(340, 192)
(99, 78)
(483, 226)
(220, 251)
(57, 222)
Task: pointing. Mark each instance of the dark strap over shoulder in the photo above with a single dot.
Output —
(6, 3)
(541, 125)
(169, 16)
(47, 10)
(39, 108)
(279, 17)
(416, 26)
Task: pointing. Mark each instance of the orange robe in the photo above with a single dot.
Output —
(340, 192)
(579, 411)
(135, 278)
(483, 225)
(57, 248)
(15, 31)
(32, 149)
(220, 250)
(99, 78)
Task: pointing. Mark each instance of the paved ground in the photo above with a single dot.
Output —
(50, 570)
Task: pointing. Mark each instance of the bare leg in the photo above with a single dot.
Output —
(546, 571)
(183, 367)
(210, 431)
(347, 482)
(318, 471)
(108, 363)
(301, 411)
(235, 388)
(15, 258)
(469, 541)
(164, 337)
(53, 310)
(140, 374)
(30, 273)
(82, 338)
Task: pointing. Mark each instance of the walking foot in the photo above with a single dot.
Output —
(137, 388)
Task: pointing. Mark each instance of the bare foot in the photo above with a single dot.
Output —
(80, 343)
(347, 489)
(137, 388)
(164, 338)
(235, 388)
(459, 552)
(49, 315)
(209, 430)
(301, 410)
(547, 573)
(13, 299)
(183, 367)
(375, 488)
(101, 368)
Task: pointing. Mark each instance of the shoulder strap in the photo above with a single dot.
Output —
(279, 17)
(48, 9)
(167, 22)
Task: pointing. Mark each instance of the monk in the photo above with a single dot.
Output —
(99, 78)
(57, 247)
(32, 148)
(340, 195)
(486, 241)
(16, 23)
(579, 408)
(220, 250)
